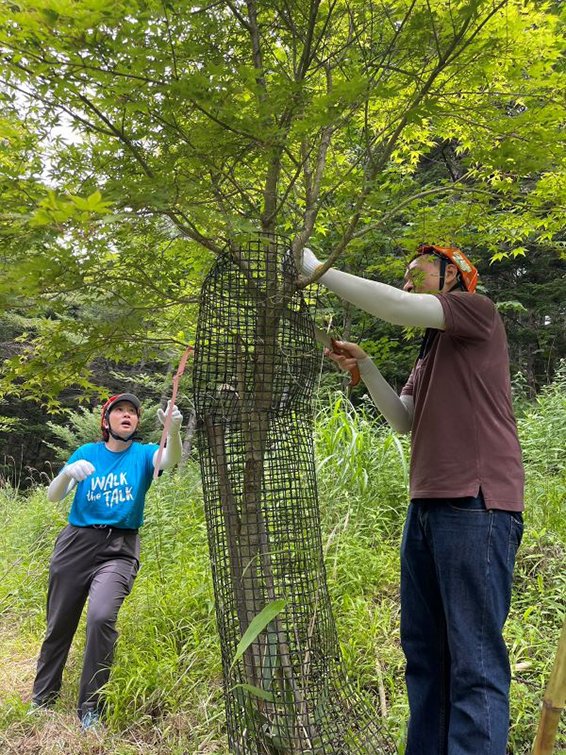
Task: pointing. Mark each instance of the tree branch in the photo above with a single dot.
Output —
(136, 152)
(182, 222)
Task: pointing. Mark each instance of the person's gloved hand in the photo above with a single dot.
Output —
(308, 262)
(78, 470)
(347, 355)
(345, 350)
(176, 417)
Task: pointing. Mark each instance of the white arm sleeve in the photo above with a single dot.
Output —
(398, 411)
(60, 486)
(172, 452)
(386, 302)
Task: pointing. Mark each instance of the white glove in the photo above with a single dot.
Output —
(176, 417)
(308, 262)
(78, 470)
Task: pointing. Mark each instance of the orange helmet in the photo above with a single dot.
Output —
(110, 403)
(467, 273)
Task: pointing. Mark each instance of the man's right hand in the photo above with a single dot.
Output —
(78, 470)
(346, 354)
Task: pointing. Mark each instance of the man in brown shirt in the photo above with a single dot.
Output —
(463, 425)
(464, 525)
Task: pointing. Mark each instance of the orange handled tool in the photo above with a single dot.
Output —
(326, 340)
(167, 424)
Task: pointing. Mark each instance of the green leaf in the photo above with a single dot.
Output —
(257, 625)
(257, 692)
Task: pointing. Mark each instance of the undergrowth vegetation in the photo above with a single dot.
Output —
(165, 692)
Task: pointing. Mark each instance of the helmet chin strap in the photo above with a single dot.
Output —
(442, 276)
(119, 437)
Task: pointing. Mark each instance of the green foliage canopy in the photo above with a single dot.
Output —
(193, 123)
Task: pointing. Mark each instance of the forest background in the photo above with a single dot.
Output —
(139, 139)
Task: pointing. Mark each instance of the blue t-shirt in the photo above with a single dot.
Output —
(114, 493)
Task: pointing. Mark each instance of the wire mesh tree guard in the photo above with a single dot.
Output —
(254, 375)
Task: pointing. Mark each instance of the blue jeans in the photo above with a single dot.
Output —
(457, 561)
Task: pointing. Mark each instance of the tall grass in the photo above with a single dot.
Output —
(169, 659)
(165, 690)
(539, 600)
(362, 468)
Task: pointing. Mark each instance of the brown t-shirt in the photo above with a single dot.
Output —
(464, 435)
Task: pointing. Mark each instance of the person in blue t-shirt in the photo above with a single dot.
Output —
(96, 556)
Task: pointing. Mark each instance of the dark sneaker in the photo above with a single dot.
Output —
(91, 721)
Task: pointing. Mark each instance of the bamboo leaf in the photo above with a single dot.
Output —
(256, 627)
(256, 691)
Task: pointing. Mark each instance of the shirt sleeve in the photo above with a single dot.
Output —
(76, 455)
(469, 316)
(407, 389)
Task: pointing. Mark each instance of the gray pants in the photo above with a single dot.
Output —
(93, 563)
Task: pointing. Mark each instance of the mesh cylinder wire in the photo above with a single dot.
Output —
(254, 374)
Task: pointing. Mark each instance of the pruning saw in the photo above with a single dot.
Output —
(324, 338)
